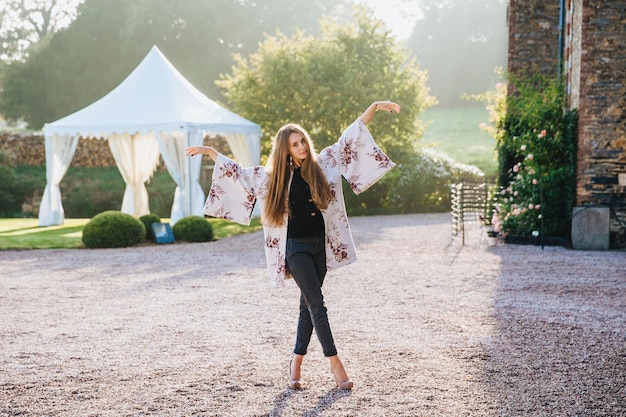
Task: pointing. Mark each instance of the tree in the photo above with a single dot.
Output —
(68, 70)
(78, 65)
(326, 82)
(26, 22)
(200, 38)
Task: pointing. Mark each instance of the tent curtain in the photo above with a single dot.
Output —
(194, 201)
(172, 145)
(136, 157)
(185, 171)
(59, 153)
(246, 148)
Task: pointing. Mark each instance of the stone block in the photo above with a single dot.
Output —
(590, 228)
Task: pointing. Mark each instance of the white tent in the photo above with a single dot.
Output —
(154, 109)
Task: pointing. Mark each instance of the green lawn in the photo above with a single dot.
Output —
(456, 133)
(26, 233)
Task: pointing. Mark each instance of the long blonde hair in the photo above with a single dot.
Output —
(279, 169)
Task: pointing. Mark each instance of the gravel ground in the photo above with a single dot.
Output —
(425, 327)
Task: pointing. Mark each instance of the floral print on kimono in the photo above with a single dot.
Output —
(355, 157)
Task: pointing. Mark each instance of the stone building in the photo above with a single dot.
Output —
(585, 41)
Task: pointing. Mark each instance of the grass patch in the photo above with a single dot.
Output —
(26, 233)
(224, 228)
(456, 132)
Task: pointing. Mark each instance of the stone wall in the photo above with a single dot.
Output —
(602, 113)
(29, 149)
(533, 36)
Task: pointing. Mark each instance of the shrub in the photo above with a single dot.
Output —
(193, 229)
(86, 191)
(419, 183)
(9, 200)
(89, 191)
(147, 221)
(113, 229)
(423, 184)
(14, 189)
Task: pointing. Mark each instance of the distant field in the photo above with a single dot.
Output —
(456, 133)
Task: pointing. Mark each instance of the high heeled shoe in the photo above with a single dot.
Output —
(293, 383)
(342, 385)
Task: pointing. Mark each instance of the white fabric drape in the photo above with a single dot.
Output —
(246, 148)
(136, 157)
(185, 171)
(59, 153)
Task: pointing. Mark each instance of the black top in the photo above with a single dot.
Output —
(306, 219)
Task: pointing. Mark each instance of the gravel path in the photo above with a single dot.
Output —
(425, 326)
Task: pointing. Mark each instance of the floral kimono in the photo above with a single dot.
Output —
(355, 157)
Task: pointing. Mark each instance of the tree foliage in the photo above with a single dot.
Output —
(325, 82)
(26, 22)
(73, 67)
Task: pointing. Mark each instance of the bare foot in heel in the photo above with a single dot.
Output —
(339, 373)
(294, 372)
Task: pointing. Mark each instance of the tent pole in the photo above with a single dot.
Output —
(188, 202)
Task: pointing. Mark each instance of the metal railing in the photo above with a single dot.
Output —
(469, 203)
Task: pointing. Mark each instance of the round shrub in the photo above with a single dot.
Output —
(113, 229)
(193, 229)
(147, 221)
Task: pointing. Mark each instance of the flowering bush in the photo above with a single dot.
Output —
(519, 204)
(536, 145)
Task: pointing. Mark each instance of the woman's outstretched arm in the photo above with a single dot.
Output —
(206, 150)
(387, 106)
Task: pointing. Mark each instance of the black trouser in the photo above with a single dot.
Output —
(306, 260)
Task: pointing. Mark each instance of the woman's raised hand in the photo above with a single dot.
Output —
(199, 150)
(387, 106)
(192, 151)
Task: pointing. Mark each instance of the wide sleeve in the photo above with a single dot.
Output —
(359, 159)
(233, 191)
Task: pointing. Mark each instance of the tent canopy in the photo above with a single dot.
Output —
(154, 110)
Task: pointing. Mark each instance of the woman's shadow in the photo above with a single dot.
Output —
(325, 401)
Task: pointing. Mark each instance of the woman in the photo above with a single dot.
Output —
(300, 199)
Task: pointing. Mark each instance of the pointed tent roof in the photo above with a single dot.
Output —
(154, 97)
